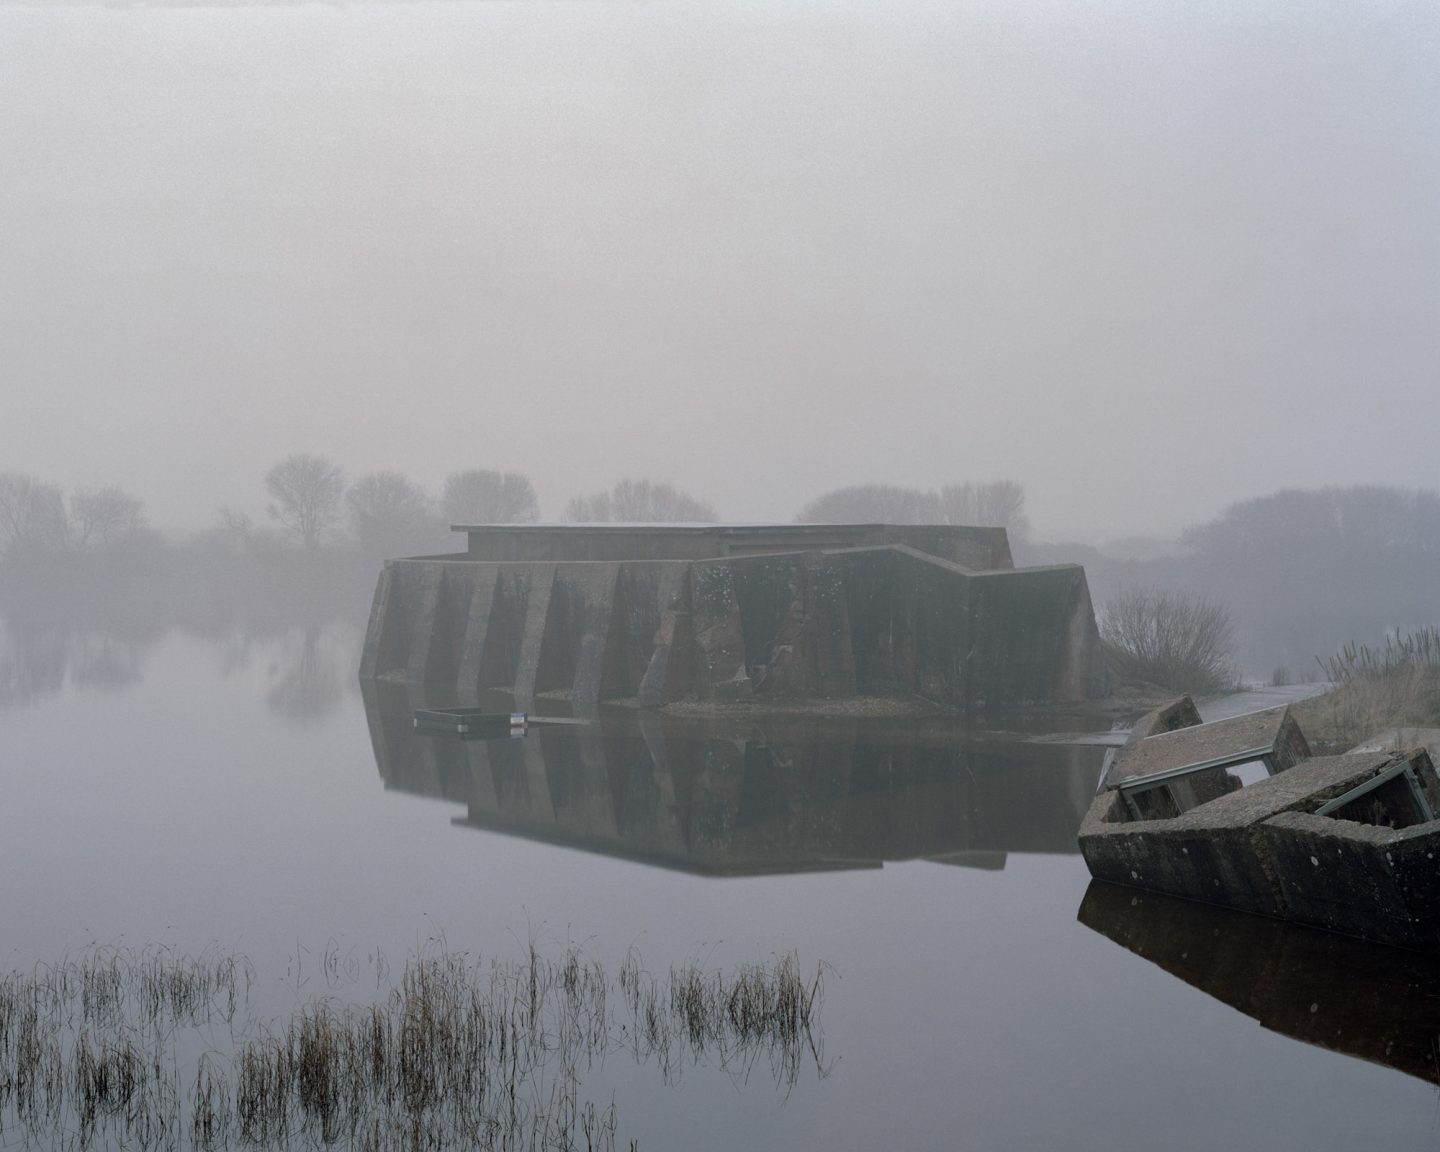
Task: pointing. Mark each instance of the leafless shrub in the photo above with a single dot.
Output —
(1171, 639)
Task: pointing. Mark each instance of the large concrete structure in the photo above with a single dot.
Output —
(559, 619)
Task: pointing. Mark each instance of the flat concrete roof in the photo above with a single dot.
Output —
(1197, 744)
(669, 526)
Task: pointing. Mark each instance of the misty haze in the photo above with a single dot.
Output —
(575, 575)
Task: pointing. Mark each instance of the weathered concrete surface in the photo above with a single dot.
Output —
(1172, 736)
(873, 621)
(737, 797)
(1341, 994)
(1395, 739)
(1262, 849)
(1273, 730)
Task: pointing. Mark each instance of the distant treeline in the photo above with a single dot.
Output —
(312, 504)
(1302, 572)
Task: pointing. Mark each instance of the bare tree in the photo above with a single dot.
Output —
(872, 504)
(997, 504)
(388, 513)
(483, 496)
(33, 523)
(641, 501)
(1172, 639)
(305, 493)
(586, 509)
(104, 517)
(236, 528)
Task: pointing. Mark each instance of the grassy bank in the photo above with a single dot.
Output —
(1396, 685)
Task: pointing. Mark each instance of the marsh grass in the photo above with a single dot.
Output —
(1394, 686)
(456, 1054)
(1402, 654)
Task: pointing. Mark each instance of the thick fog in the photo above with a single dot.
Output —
(1146, 259)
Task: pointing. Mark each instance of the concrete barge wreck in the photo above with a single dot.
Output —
(1346, 843)
(561, 619)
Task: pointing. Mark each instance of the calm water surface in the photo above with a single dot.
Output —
(239, 793)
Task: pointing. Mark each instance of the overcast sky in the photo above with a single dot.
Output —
(1145, 257)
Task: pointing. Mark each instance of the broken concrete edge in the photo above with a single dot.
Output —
(1172, 741)
(1264, 850)
(1273, 729)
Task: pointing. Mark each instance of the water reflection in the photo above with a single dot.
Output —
(303, 665)
(1364, 1000)
(739, 796)
(37, 660)
(305, 677)
(91, 628)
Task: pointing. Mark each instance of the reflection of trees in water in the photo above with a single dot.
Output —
(303, 665)
(306, 684)
(88, 624)
(36, 661)
(32, 664)
(104, 662)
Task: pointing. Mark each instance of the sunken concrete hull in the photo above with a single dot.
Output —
(889, 620)
(1271, 849)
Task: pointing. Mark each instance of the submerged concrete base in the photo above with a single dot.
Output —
(888, 620)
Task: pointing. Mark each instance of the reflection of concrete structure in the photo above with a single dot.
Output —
(1363, 1000)
(560, 619)
(741, 797)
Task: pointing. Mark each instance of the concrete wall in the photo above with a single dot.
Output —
(798, 625)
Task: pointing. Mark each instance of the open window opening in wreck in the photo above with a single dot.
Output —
(1149, 798)
(1393, 799)
(1173, 762)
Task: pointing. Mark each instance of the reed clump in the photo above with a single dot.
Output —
(456, 1054)
(1396, 685)
(1402, 653)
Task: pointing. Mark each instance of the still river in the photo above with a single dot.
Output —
(238, 794)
